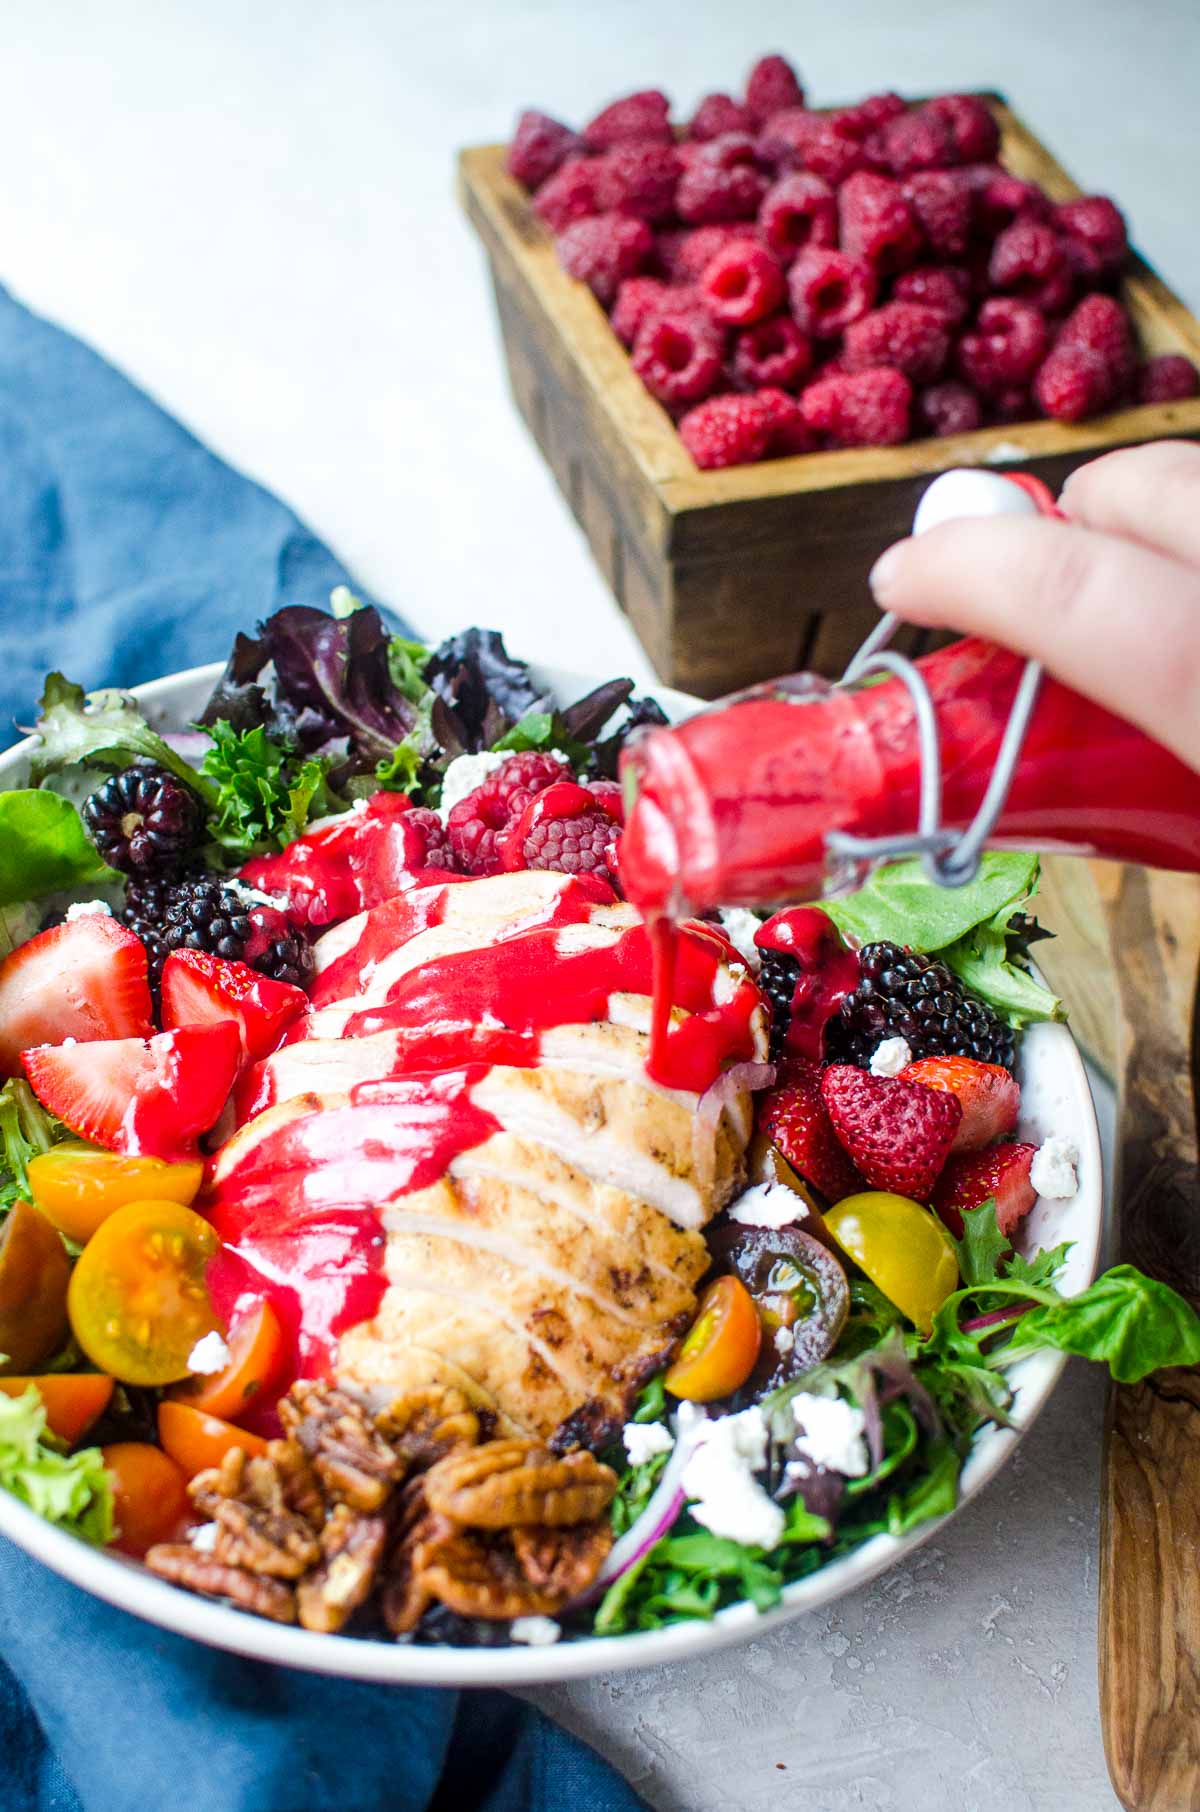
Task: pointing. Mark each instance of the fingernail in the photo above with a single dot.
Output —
(883, 573)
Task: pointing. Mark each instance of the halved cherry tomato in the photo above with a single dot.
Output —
(903, 1248)
(256, 1355)
(721, 1347)
(150, 1500)
(78, 1186)
(196, 1441)
(34, 1274)
(72, 1400)
(138, 1301)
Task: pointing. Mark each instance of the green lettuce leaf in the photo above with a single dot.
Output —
(982, 960)
(72, 1490)
(26, 1130)
(982, 1245)
(543, 730)
(1125, 1320)
(103, 729)
(44, 847)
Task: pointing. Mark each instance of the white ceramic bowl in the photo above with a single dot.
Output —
(1055, 1099)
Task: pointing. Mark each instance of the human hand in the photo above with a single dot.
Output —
(1109, 600)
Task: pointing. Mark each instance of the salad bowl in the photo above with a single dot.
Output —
(1056, 1101)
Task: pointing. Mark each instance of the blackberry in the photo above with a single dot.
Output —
(144, 821)
(204, 912)
(441, 1625)
(904, 994)
(777, 979)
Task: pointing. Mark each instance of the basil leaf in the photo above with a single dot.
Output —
(1126, 1320)
(44, 847)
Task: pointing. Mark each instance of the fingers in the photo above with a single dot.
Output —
(1149, 494)
(1117, 621)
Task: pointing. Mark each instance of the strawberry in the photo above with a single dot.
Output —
(145, 1096)
(898, 1133)
(85, 979)
(794, 1118)
(990, 1096)
(1001, 1173)
(199, 989)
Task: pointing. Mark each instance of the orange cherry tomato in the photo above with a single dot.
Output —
(196, 1441)
(72, 1400)
(78, 1186)
(138, 1300)
(256, 1354)
(150, 1500)
(721, 1347)
(34, 1274)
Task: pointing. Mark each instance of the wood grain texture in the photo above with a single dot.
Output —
(1150, 1511)
(730, 577)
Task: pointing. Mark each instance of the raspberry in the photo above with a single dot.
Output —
(913, 339)
(833, 154)
(573, 836)
(948, 408)
(1001, 198)
(637, 299)
(741, 285)
(604, 249)
(786, 428)
(677, 354)
(539, 145)
(943, 288)
(1167, 379)
(568, 195)
(1028, 261)
(642, 115)
(941, 204)
(876, 223)
(798, 210)
(726, 431)
(969, 122)
(722, 181)
(771, 86)
(828, 290)
(718, 114)
(475, 821)
(1012, 405)
(437, 850)
(773, 353)
(1073, 383)
(638, 179)
(1100, 325)
(869, 116)
(1093, 230)
(915, 141)
(859, 409)
(1005, 348)
(698, 248)
(784, 140)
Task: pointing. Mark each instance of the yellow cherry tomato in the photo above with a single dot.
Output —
(903, 1248)
(78, 1186)
(721, 1347)
(138, 1301)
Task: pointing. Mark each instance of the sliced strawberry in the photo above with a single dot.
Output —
(1001, 1174)
(898, 1133)
(85, 980)
(990, 1096)
(147, 1096)
(794, 1117)
(199, 989)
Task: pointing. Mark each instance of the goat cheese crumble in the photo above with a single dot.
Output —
(718, 1479)
(82, 909)
(535, 1632)
(466, 772)
(210, 1354)
(830, 1433)
(768, 1205)
(642, 1440)
(1052, 1172)
(890, 1057)
(739, 926)
(204, 1537)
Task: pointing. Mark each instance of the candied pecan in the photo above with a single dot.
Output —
(352, 1460)
(425, 1425)
(562, 1561)
(481, 1577)
(298, 1483)
(517, 1481)
(205, 1574)
(352, 1548)
(247, 1499)
(405, 1597)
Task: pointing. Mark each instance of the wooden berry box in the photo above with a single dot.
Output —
(731, 576)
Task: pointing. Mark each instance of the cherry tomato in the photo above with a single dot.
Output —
(78, 1186)
(138, 1301)
(196, 1441)
(796, 1283)
(34, 1274)
(150, 1500)
(903, 1248)
(72, 1400)
(256, 1354)
(721, 1347)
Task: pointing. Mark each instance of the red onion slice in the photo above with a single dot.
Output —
(658, 1516)
(738, 1079)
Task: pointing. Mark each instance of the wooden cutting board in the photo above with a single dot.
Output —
(1149, 1632)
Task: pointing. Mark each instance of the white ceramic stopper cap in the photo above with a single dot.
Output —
(969, 492)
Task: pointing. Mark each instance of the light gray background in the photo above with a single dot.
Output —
(249, 207)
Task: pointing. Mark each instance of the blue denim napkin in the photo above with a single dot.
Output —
(128, 550)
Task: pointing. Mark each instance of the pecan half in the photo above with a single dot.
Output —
(425, 1425)
(247, 1499)
(405, 1597)
(507, 1483)
(203, 1573)
(562, 1561)
(352, 1547)
(351, 1458)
